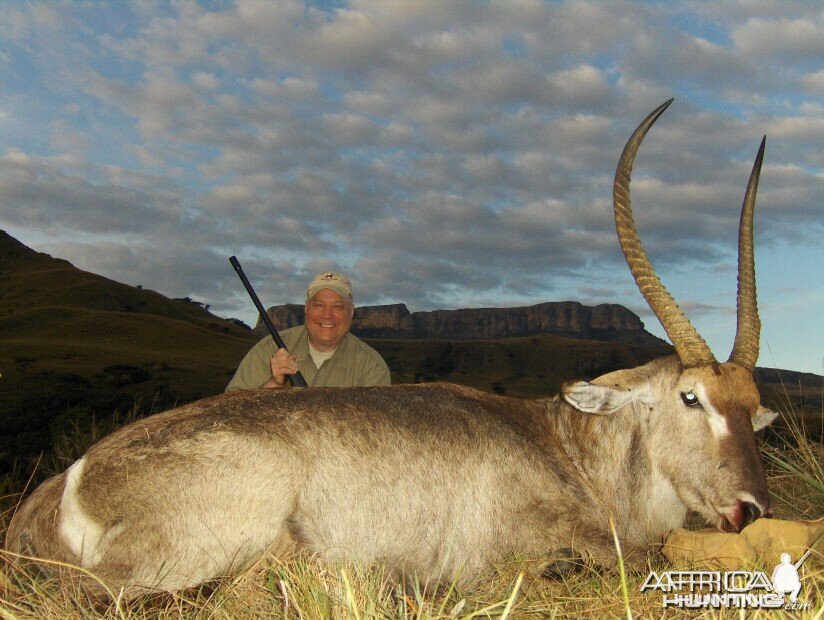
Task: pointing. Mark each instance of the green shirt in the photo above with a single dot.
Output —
(354, 363)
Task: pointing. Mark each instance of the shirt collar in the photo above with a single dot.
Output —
(301, 349)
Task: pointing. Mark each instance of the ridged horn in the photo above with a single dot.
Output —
(748, 332)
(690, 347)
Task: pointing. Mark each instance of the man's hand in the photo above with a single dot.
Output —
(282, 364)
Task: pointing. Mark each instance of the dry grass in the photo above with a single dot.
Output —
(308, 588)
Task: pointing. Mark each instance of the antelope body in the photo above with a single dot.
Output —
(437, 480)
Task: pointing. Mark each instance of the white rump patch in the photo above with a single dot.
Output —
(78, 530)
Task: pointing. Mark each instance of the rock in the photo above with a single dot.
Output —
(606, 322)
(566, 318)
(389, 321)
(708, 549)
(772, 537)
(762, 542)
(283, 317)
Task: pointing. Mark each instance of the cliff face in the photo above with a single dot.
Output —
(608, 322)
(603, 322)
(390, 321)
(283, 317)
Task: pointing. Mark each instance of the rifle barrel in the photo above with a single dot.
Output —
(296, 379)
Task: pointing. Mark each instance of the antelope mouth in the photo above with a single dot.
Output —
(738, 517)
(724, 524)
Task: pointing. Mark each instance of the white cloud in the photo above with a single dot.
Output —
(583, 85)
(67, 139)
(814, 82)
(444, 153)
(48, 193)
(805, 129)
(782, 37)
(206, 81)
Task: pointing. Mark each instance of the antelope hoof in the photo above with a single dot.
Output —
(561, 564)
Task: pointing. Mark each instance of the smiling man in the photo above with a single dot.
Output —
(324, 351)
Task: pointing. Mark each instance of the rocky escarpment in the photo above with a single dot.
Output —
(608, 322)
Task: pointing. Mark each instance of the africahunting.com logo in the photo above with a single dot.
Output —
(738, 589)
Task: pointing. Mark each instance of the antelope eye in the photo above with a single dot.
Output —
(690, 399)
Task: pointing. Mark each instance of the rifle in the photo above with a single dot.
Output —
(803, 559)
(296, 379)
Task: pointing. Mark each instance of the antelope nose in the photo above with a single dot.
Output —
(751, 513)
(742, 514)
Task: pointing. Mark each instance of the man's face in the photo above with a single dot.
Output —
(328, 318)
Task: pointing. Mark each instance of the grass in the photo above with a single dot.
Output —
(308, 588)
(795, 470)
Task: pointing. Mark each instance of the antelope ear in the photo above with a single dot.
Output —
(597, 399)
(763, 418)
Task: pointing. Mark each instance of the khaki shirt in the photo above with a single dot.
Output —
(354, 363)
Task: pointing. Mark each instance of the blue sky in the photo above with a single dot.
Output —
(444, 154)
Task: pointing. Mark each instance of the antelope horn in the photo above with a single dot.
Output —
(690, 347)
(745, 349)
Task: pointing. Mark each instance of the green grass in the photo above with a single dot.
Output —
(795, 467)
(75, 346)
(57, 318)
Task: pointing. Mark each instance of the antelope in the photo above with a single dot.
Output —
(436, 480)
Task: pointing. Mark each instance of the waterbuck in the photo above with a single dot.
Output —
(434, 480)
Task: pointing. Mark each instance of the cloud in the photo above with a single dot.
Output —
(814, 82)
(783, 37)
(444, 154)
(55, 194)
(797, 128)
(583, 86)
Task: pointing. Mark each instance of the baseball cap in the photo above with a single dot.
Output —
(331, 280)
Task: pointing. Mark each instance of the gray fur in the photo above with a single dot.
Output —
(437, 480)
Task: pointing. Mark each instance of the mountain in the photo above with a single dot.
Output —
(31, 281)
(605, 322)
(80, 353)
(75, 345)
(86, 320)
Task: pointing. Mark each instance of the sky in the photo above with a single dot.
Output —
(443, 154)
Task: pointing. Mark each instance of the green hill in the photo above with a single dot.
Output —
(527, 367)
(76, 347)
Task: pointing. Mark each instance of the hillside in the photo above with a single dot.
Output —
(55, 317)
(76, 347)
(523, 367)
